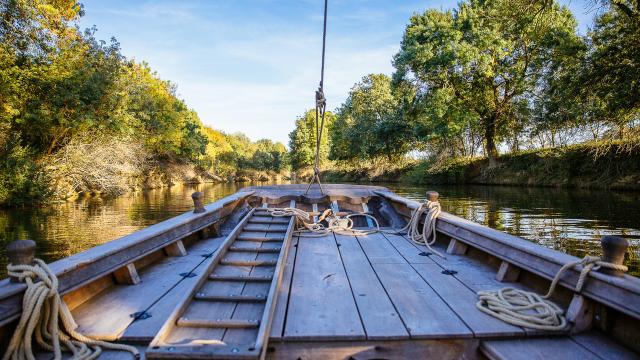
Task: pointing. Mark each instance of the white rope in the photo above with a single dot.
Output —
(344, 225)
(431, 210)
(528, 309)
(42, 309)
(335, 224)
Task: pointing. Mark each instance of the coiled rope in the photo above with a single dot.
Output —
(335, 224)
(42, 309)
(528, 309)
(431, 211)
(344, 225)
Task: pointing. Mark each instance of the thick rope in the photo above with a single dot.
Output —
(335, 224)
(528, 309)
(321, 107)
(344, 225)
(42, 309)
(431, 210)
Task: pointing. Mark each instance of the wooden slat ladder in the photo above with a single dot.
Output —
(228, 313)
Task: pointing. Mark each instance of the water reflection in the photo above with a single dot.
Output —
(567, 220)
(571, 221)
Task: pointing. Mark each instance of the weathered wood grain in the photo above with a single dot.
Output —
(367, 350)
(155, 291)
(422, 310)
(604, 347)
(145, 330)
(462, 301)
(321, 305)
(77, 270)
(277, 328)
(379, 317)
(379, 250)
(541, 348)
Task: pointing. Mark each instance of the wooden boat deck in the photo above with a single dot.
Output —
(336, 288)
(360, 297)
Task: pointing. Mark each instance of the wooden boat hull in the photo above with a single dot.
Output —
(374, 296)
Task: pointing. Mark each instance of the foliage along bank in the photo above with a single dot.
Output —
(77, 116)
(491, 81)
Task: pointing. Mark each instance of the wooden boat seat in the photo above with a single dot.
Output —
(591, 345)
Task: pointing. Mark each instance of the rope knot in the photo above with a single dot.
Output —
(42, 309)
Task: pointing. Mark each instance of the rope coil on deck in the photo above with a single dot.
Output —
(42, 309)
(335, 224)
(528, 309)
(344, 225)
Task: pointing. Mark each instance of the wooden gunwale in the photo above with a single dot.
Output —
(622, 294)
(80, 269)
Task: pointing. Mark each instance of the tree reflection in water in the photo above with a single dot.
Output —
(567, 220)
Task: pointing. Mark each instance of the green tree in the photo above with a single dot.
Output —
(481, 62)
(302, 140)
(612, 67)
(370, 122)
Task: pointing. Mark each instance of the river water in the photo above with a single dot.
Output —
(567, 220)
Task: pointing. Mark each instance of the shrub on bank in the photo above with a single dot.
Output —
(21, 179)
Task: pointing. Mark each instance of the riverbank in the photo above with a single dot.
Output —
(611, 165)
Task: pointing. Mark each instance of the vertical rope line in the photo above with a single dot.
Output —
(320, 107)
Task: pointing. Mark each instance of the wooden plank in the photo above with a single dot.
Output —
(145, 330)
(268, 311)
(411, 253)
(457, 247)
(379, 317)
(507, 272)
(170, 333)
(117, 304)
(601, 345)
(218, 323)
(366, 350)
(241, 278)
(622, 293)
(176, 249)
(462, 301)
(580, 313)
(277, 328)
(127, 275)
(423, 312)
(321, 306)
(542, 348)
(379, 250)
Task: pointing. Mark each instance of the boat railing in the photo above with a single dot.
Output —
(85, 267)
(515, 254)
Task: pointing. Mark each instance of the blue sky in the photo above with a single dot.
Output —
(253, 66)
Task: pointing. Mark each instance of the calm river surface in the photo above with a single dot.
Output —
(568, 220)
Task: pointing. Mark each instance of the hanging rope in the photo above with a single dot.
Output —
(528, 309)
(431, 211)
(321, 106)
(42, 309)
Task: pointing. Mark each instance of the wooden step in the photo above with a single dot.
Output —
(246, 278)
(258, 238)
(263, 228)
(270, 221)
(219, 323)
(255, 249)
(248, 262)
(232, 297)
(207, 308)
